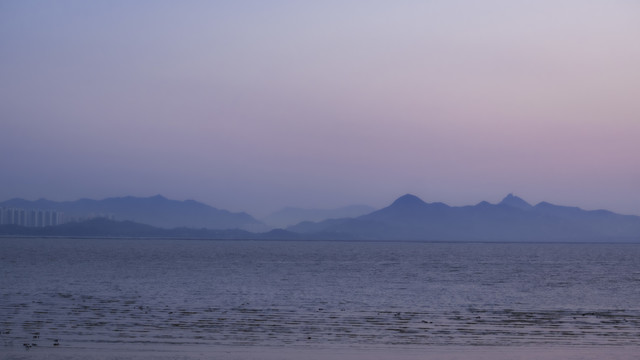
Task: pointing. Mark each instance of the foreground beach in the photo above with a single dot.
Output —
(345, 353)
(276, 300)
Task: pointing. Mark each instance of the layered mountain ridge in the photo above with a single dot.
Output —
(407, 218)
(156, 211)
(513, 219)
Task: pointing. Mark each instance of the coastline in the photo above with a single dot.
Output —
(227, 352)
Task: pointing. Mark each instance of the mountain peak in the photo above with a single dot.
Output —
(515, 202)
(408, 200)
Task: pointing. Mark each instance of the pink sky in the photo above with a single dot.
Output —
(251, 105)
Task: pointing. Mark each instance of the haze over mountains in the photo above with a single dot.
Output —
(407, 218)
(291, 215)
(156, 211)
(513, 219)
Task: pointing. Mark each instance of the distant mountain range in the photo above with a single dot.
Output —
(156, 211)
(289, 216)
(513, 219)
(407, 218)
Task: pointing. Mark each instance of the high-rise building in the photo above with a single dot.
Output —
(30, 217)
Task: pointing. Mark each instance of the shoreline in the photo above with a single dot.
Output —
(550, 242)
(230, 352)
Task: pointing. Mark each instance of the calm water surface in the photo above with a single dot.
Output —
(273, 293)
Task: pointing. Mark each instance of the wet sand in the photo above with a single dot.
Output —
(72, 299)
(144, 352)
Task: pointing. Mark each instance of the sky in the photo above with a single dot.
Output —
(255, 105)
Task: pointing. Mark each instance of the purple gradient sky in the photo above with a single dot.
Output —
(254, 105)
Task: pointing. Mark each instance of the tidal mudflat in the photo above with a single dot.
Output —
(178, 299)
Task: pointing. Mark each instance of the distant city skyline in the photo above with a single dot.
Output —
(30, 217)
(253, 106)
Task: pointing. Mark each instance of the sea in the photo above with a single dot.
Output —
(192, 299)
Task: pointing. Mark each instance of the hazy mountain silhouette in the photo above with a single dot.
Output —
(289, 216)
(157, 211)
(515, 202)
(407, 218)
(513, 219)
